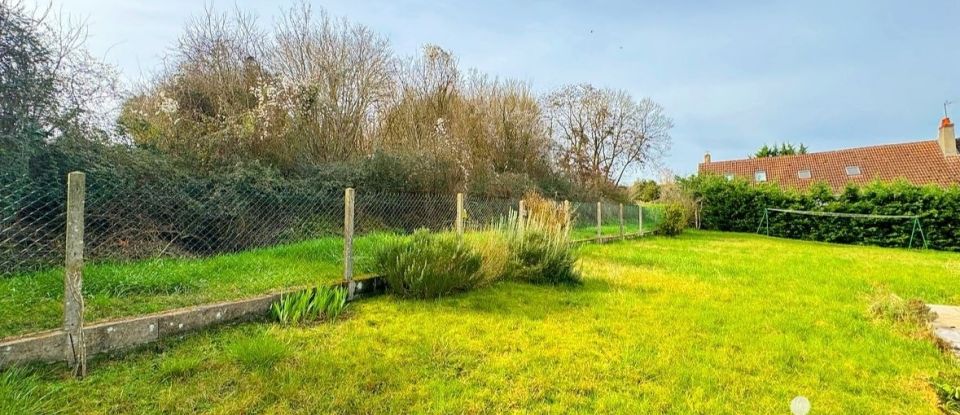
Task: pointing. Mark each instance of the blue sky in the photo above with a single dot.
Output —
(732, 75)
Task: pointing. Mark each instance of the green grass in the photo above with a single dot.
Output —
(32, 302)
(587, 231)
(705, 323)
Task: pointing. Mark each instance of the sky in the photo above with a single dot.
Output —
(732, 75)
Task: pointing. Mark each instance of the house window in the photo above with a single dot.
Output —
(729, 176)
(760, 176)
(853, 170)
(803, 174)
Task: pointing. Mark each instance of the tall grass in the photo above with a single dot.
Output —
(540, 244)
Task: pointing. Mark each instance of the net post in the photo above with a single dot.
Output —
(766, 216)
(913, 231)
(922, 236)
(348, 205)
(76, 348)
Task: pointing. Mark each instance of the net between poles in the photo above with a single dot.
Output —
(842, 214)
(914, 219)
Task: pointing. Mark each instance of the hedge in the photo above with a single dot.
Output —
(737, 205)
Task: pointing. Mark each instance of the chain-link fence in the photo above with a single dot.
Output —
(155, 245)
(129, 223)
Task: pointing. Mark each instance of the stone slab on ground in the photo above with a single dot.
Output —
(946, 325)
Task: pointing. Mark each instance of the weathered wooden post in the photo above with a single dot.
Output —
(348, 200)
(599, 220)
(73, 279)
(460, 214)
(622, 234)
(640, 208)
(566, 216)
(521, 217)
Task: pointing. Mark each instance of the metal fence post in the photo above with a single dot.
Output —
(599, 220)
(348, 201)
(73, 278)
(622, 235)
(460, 214)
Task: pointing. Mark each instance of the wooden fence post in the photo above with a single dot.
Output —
(566, 215)
(622, 234)
(348, 200)
(73, 278)
(460, 214)
(640, 206)
(521, 216)
(599, 220)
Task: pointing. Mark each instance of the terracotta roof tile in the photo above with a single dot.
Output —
(920, 162)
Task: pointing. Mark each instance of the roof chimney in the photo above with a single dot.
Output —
(706, 158)
(947, 138)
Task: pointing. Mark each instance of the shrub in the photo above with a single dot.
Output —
(428, 265)
(544, 214)
(675, 217)
(736, 205)
(542, 258)
(310, 305)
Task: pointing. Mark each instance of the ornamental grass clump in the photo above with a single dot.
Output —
(540, 244)
(428, 265)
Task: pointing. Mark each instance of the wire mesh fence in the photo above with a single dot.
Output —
(32, 222)
(153, 245)
(129, 222)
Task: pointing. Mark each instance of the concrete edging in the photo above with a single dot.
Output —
(127, 333)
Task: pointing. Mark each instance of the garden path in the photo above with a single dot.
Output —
(946, 325)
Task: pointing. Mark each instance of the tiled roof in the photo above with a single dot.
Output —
(920, 162)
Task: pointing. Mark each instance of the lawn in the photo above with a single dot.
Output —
(34, 301)
(705, 323)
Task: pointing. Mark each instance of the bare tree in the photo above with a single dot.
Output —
(602, 134)
(335, 75)
(47, 74)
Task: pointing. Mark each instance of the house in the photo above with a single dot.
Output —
(919, 162)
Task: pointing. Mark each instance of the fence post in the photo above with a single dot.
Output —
(521, 215)
(73, 278)
(599, 220)
(460, 214)
(566, 215)
(640, 208)
(622, 235)
(348, 200)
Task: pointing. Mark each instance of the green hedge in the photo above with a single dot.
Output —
(736, 205)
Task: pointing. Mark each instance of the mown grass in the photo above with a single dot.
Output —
(590, 231)
(704, 323)
(34, 301)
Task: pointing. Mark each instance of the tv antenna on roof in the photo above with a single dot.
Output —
(945, 103)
